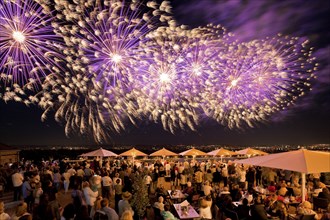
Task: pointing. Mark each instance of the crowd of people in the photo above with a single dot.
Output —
(103, 190)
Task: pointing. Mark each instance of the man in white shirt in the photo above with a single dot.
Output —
(106, 186)
(17, 179)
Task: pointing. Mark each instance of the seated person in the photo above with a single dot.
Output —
(305, 208)
(277, 208)
(189, 190)
(325, 194)
(243, 211)
(258, 211)
(160, 204)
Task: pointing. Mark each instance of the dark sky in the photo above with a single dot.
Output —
(308, 122)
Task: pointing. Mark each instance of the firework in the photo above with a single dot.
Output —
(29, 49)
(127, 64)
(259, 78)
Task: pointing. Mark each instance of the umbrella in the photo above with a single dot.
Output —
(221, 152)
(132, 153)
(251, 151)
(193, 152)
(163, 152)
(304, 161)
(99, 153)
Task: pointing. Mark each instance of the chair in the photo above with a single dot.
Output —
(320, 203)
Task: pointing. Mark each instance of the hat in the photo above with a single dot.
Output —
(126, 195)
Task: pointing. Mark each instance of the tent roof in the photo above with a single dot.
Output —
(132, 152)
(304, 161)
(193, 152)
(251, 151)
(163, 152)
(221, 152)
(99, 153)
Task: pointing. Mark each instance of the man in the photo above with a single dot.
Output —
(17, 179)
(106, 186)
(111, 213)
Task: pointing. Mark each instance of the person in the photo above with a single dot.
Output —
(77, 197)
(66, 181)
(127, 215)
(207, 188)
(305, 208)
(324, 194)
(106, 186)
(243, 210)
(17, 179)
(167, 214)
(90, 195)
(124, 204)
(111, 213)
(53, 208)
(3, 215)
(205, 210)
(118, 187)
(22, 212)
(37, 192)
(160, 204)
(27, 193)
(189, 191)
(68, 212)
(258, 211)
(83, 214)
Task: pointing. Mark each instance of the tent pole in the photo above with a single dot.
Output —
(303, 186)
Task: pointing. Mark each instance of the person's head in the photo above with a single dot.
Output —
(104, 202)
(161, 199)
(258, 200)
(245, 202)
(21, 209)
(85, 184)
(189, 184)
(325, 190)
(127, 215)
(69, 211)
(126, 195)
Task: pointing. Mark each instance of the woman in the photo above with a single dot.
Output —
(205, 210)
(167, 214)
(127, 215)
(160, 204)
(90, 196)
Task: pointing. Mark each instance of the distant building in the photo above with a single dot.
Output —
(8, 154)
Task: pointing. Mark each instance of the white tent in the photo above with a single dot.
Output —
(304, 161)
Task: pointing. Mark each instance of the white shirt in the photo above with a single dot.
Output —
(90, 196)
(17, 179)
(106, 181)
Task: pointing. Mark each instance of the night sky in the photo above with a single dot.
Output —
(307, 122)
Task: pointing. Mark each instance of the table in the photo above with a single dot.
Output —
(190, 214)
(176, 194)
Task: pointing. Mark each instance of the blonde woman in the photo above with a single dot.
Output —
(127, 215)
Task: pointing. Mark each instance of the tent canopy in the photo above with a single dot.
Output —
(99, 153)
(221, 152)
(193, 152)
(304, 161)
(251, 151)
(163, 152)
(132, 153)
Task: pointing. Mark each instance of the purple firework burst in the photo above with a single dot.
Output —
(29, 49)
